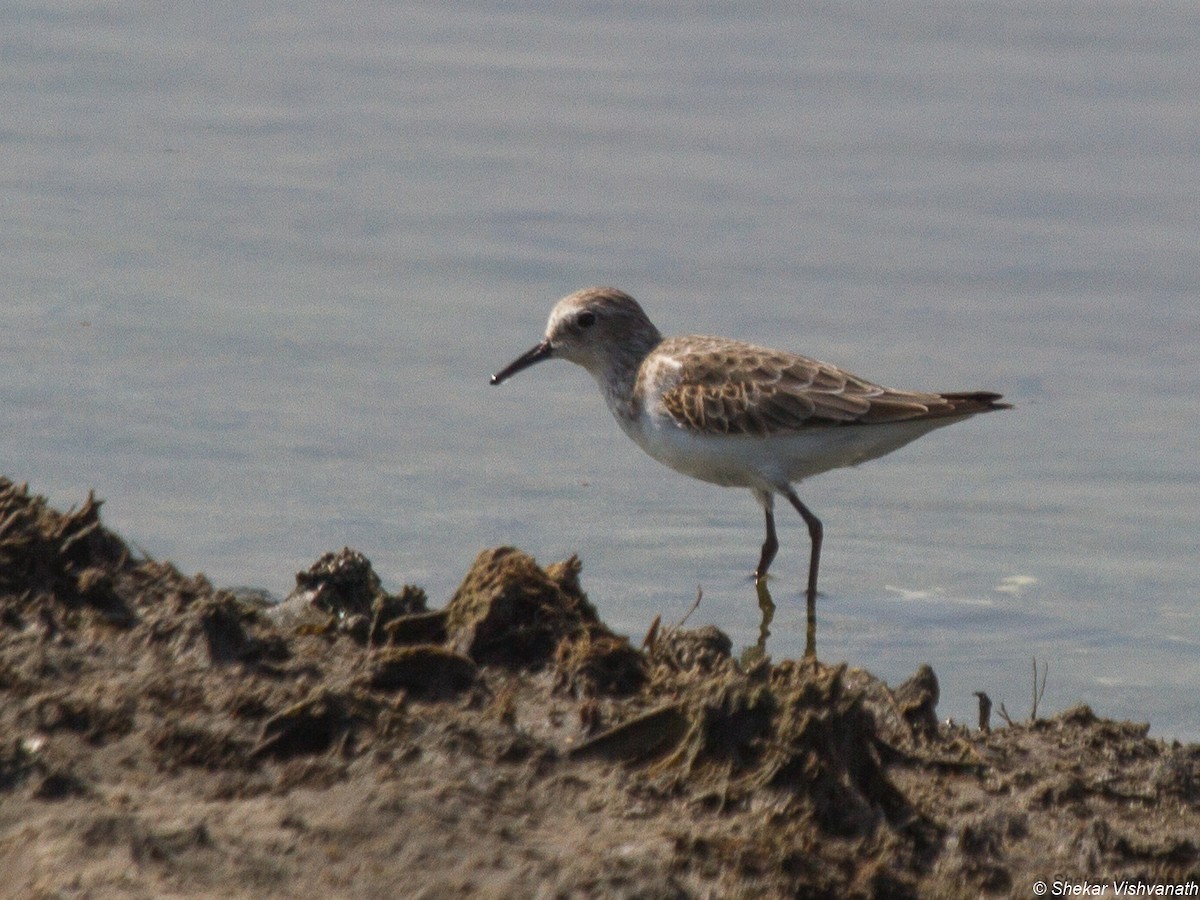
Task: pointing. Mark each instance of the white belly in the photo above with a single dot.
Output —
(769, 463)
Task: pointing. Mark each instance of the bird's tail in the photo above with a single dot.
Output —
(965, 402)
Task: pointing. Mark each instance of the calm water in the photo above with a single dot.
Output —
(259, 260)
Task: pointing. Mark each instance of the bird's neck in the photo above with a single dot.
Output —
(619, 378)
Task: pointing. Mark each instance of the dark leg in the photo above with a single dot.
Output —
(815, 533)
(771, 544)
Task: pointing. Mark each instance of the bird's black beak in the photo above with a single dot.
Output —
(524, 361)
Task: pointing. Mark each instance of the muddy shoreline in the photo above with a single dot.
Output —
(163, 737)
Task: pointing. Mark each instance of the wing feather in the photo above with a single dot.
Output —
(728, 387)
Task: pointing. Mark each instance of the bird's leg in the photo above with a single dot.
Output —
(815, 533)
(771, 544)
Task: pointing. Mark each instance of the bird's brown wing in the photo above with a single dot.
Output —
(727, 387)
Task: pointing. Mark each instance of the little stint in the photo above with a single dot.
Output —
(736, 414)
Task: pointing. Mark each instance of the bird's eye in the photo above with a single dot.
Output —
(586, 319)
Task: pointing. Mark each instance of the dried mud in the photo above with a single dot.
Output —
(159, 736)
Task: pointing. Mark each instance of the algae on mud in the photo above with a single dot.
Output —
(163, 736)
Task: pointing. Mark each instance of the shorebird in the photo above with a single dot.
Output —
(736, 414)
